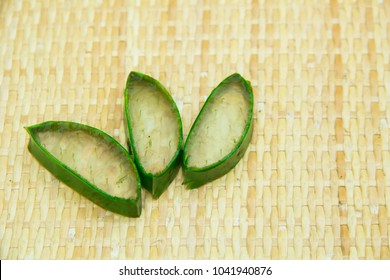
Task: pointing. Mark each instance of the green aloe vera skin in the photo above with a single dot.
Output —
(221, 133)
(154, 132)
(89, 161)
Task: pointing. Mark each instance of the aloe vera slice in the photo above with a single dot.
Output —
(220, 134)
(154, 131)
(90, 162)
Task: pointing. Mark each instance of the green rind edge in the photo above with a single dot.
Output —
(130, 207)
(157, 183)
(196, 177)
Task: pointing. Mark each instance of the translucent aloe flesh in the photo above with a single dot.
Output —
(102, 165)
(89, 161)
(220, 134)
(219, 128)
(154, 126)
(155, 131)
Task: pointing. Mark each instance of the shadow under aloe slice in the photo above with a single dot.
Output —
(89, 161)
(220, 134)
(154, 131)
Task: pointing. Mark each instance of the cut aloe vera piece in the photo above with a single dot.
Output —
(220, 134)
(154, 131)
(90, 162)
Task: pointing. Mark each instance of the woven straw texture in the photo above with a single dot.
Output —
(315, 181)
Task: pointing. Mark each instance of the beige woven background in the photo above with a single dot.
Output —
(315, 182)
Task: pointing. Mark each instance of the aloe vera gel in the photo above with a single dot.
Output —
(102, 165)
(220, 134)
(154, 131)
(90, 162)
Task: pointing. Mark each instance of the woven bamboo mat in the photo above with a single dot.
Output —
(315, 181)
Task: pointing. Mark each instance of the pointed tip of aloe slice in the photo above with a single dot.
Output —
(135, 73)
(193, 186)
(236, 75)
(156, 195)
(190, 184)
(239, 76)
(29, 130)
